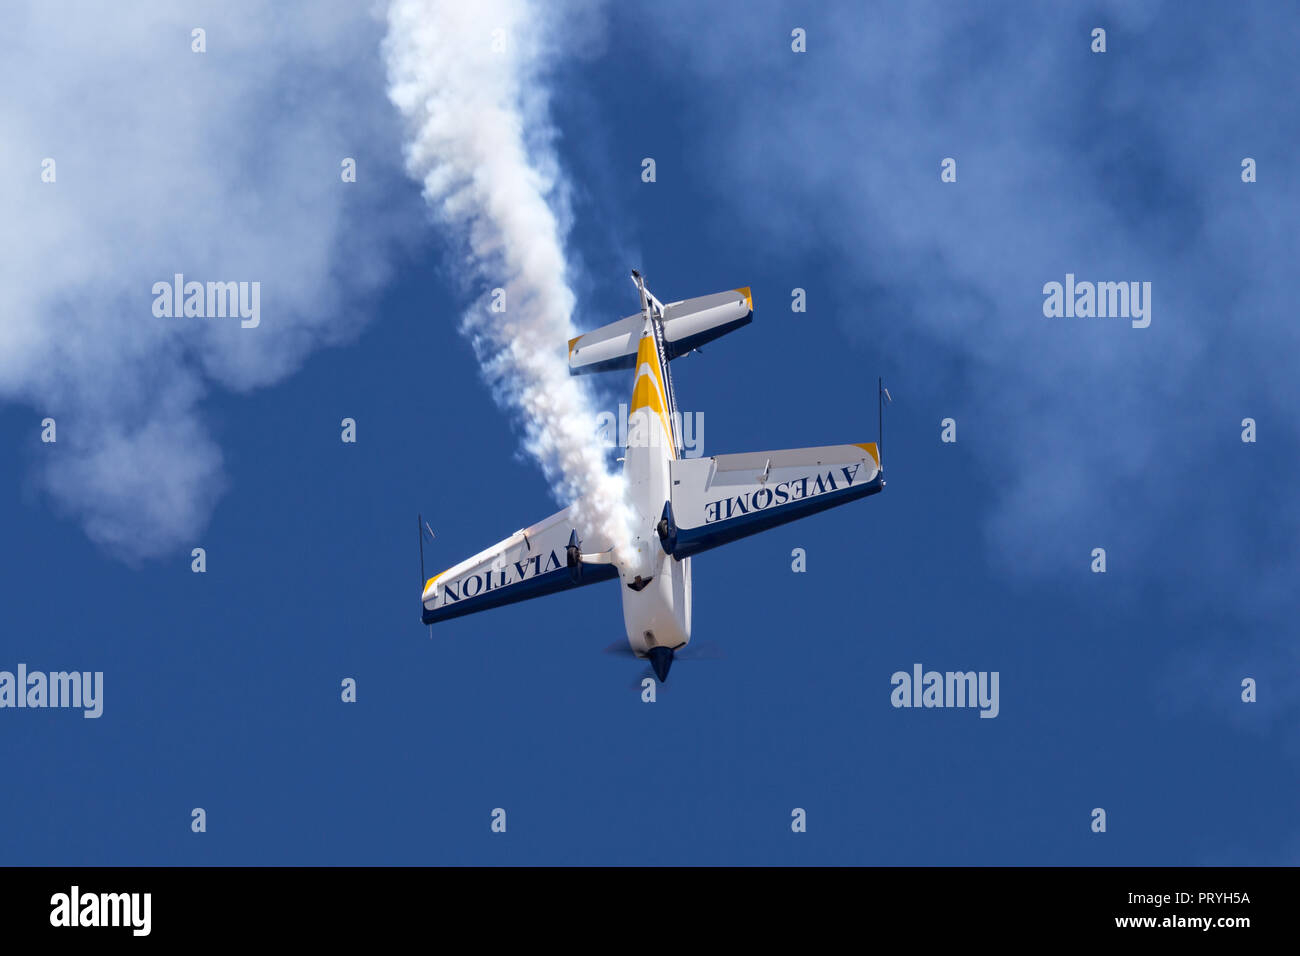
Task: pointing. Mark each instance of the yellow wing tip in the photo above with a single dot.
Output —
(573, 342)
(429, 583)
(871, 449)
(749, 299)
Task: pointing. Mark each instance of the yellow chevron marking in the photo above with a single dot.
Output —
(645, 394)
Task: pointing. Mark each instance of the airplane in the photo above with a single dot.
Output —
(681, 506)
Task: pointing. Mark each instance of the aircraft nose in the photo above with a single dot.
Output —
(661, 658)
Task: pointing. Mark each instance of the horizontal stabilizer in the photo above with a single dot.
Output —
(687, 325)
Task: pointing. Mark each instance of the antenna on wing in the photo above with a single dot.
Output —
(882, 394)
(423, 526)
(420, 526)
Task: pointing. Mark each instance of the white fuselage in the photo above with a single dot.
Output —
(659, 614)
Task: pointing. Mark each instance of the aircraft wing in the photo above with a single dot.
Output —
(529, 563)
(720, 499)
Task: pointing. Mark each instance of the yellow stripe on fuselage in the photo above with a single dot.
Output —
(652, 394)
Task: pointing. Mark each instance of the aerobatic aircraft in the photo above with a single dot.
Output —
(681, 506)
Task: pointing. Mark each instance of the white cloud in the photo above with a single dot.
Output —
(221, 165)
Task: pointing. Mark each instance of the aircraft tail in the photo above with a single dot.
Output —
(686, 325)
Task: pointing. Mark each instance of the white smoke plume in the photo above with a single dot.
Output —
(469, 80)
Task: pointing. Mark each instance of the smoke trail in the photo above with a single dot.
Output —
(467, 78)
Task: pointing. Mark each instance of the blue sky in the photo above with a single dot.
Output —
(774, 170)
